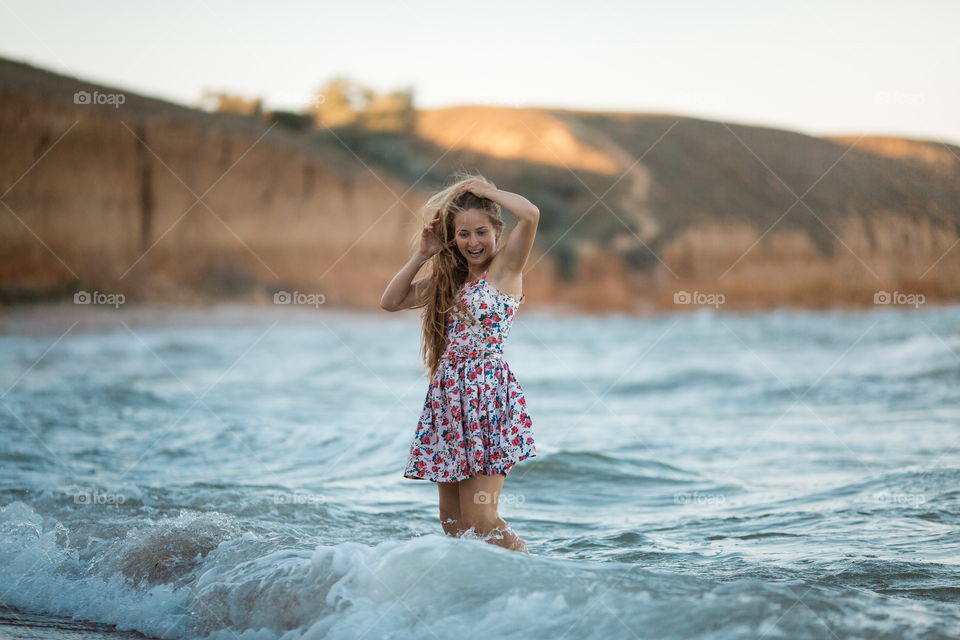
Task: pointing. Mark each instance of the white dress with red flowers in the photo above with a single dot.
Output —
(474, 418)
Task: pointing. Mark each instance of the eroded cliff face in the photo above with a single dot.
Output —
(168, 204)
(165, 203)
(761, 216)
(175, 205)
(887, 253)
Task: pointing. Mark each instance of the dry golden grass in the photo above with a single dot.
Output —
(531, 135)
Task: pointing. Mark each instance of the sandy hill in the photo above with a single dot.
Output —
(161, 201)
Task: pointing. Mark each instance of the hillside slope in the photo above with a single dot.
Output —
(164, 202)
(764, 215)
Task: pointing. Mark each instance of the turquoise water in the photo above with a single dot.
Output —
(783, 474)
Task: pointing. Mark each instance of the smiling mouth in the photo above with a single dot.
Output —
(475, 253)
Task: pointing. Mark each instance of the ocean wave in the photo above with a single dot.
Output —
(198, 575)
(600, 468)
(686, 380)
(915, 489)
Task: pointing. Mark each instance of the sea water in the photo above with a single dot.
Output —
(700, 475)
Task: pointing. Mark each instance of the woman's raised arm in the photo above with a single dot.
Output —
(402, 292)
(520, 240)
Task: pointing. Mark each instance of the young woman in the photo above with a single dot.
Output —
(474, 426)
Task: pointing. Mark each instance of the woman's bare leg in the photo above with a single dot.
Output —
(450, 518)
(479, 497)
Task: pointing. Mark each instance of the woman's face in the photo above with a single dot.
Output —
(475, 236)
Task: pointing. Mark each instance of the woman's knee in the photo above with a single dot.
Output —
(449, 501)
(479, 496)
(481, 518)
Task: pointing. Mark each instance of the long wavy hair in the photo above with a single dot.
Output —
(448, 267)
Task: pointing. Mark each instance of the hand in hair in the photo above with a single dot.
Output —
(478, 188)
(430, 242)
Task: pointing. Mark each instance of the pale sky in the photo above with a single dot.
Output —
(820, 67)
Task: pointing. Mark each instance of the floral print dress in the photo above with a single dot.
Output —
(474, 418)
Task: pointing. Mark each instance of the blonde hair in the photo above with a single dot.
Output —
(448, 267)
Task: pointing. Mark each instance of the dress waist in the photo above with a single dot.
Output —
(456, 354)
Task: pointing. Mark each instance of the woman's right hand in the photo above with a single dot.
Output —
(430, 242)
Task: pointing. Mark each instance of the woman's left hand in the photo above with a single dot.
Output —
(478, 188)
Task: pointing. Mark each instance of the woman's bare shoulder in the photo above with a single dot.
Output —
(500, 277)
